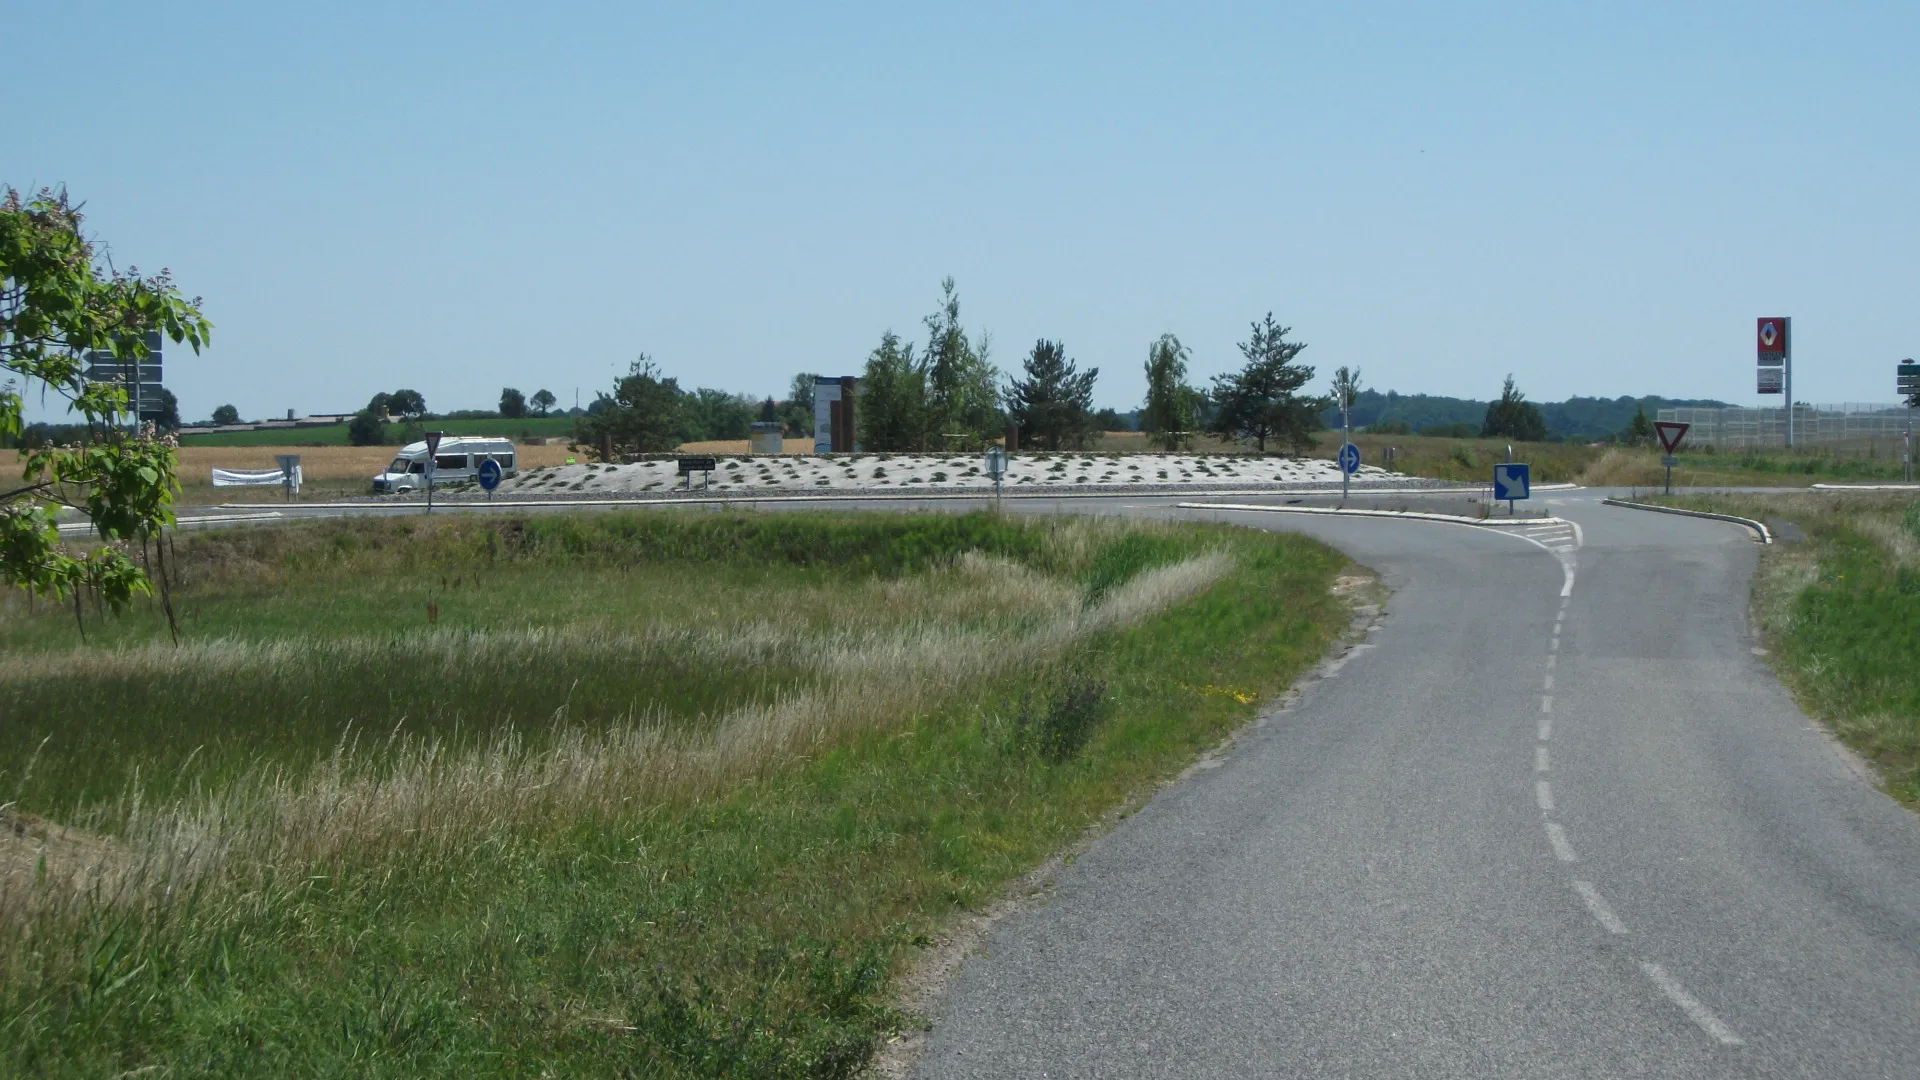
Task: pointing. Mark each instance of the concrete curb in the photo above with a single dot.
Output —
(853, 496)
(869, 495)
(1866, 487)
(1354, 511)
(1758, 529)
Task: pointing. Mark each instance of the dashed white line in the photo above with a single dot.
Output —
(1561, 615)
(1539, 759)
(1550, 659)
(1555, 644)
(1546, 700)
(1546, 728)
(1543, 794)
(1689, 1004)
(1562, 848)
(1602, 914)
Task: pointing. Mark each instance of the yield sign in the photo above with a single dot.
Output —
(1670, 433)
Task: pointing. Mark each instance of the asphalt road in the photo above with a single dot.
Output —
(1520, 835)
(1555, 819)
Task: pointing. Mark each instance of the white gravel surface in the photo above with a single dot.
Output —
(871, 472)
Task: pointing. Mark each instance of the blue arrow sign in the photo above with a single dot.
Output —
(1349, 458)
(488, 474)
(1510, 481)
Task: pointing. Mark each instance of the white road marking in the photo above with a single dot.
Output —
(1543, 794)
(1546, 703)
(1539, 759)
(1601, 912)
(1549, 685)
(1562, 850)
(1551, 657)
(1562, 616)
(1546, 728)
(1556, 643)
(1579, 535)
(1689, 1004)
(1556, 629)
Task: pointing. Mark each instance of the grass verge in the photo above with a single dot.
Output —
(601, 871)
(1840, 613)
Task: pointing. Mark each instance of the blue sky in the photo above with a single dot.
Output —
(1598, 198)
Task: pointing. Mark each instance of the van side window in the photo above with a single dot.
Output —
(450, 461)
(417, 467)
(505, 460)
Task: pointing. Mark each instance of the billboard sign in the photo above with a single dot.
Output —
(1770, 340)
(1772, 380)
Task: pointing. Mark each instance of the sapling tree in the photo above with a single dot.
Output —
(57, 303)
(1171, 409)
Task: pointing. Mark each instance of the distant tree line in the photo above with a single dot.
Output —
(1582, 418)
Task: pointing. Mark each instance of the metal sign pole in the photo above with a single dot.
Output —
(1786, 374)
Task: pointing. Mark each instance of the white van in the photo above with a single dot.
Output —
(457, 460)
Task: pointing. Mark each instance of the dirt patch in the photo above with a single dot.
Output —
(38, 852)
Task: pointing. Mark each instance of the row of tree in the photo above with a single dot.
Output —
(947, 394)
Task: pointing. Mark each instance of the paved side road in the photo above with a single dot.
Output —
(1524, 834)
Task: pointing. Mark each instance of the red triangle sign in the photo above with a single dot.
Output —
(1670, 433)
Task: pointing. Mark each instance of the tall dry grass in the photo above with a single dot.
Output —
(275, 825)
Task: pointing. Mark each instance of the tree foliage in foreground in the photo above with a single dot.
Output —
(1513, 417)
(1262, 402)
(1054, 404)
(55, 305)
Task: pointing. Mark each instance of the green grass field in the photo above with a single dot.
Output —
(646, 794)
(336, 434)
(1841, 615)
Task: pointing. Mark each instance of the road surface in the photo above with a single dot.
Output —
(1541, 827)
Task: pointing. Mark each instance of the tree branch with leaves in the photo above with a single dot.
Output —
(56, 305)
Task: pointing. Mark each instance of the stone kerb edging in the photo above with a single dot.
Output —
(1355, 511)
(1759, 530)
(1866, 487)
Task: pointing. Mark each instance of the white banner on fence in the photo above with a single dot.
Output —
(253, 477)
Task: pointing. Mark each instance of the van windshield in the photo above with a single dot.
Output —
(399, 465)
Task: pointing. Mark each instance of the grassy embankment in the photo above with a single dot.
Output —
(651, 794)
(1840, 614)
(1800, 467)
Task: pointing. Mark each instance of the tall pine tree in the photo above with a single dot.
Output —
(1054, 404)
(1262, 401)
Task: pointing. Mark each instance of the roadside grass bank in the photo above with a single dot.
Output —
(1840, 613)
(673, 794)
(1465, 460)
(1640, 467)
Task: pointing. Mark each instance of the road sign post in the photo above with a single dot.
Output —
(1773, 340)
(433, 451)
(1670, 434)
(289, 468)
(997, 469)
(702, 465)
(1512, 480)
(1349, 464)
(488, 474)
